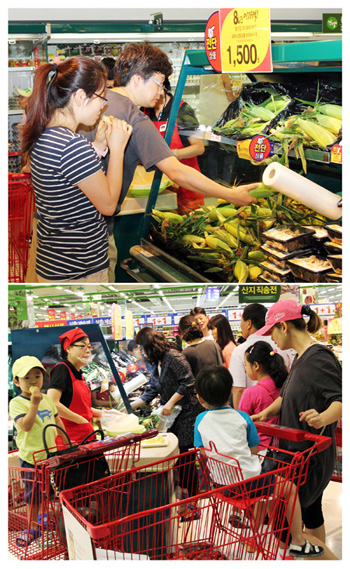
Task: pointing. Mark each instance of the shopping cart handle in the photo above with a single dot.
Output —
(290, 434)
(95, 448)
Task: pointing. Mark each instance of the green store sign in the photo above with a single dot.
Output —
(331, 23)
(259, 293)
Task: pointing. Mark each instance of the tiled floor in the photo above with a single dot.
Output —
(332, 511)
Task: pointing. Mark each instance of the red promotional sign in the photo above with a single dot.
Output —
(51, 313)
(239, 40)
(212, 41)
(259, 148)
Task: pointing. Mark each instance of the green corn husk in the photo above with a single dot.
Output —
(189, 239)
(335, 111)
(227, 238)
(241, 271)
(316, 132)
(330, 123)
(262, 191)
(257, 111)
(215, 243)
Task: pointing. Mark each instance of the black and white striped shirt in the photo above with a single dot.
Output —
(72, 234)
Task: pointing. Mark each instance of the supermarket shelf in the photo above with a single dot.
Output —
(323, 156)
(20, 68)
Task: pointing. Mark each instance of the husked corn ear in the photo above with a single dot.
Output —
(168, 215)
(241, 271)
(215, 243)
(317, 133)
(222, 212)
(335, 111)
(257, 256)
(330, 123)
(254, 272)
(262, 113)
(240, 233)
(262, 191)
(192, 239)
(227, 237)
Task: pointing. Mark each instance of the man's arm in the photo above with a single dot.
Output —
(187, 177)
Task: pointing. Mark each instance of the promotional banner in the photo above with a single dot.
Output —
(239, 40)
(117, 331)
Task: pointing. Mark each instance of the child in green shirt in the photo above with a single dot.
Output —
(31, 410)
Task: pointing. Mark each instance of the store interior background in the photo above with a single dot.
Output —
(160, 306)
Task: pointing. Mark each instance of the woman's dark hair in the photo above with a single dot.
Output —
(154, 343)
(167, 85)
(53, 87)
(143, 59)
(197, 310)
(223, 330)
(189, 328)
(109, 63)
(313, 325)
(256, 313)
(271, 362)
(214, 385)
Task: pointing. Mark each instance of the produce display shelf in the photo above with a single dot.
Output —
(162, 264)
(311, 154)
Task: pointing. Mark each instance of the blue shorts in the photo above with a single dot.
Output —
(32, 494)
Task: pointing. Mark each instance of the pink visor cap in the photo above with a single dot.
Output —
(282, 311)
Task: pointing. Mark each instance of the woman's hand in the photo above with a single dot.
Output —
(241, 195)
(312, 417)
(100, 141)
(81, 420)
(262, 417)
(118, 134)
(167, 409)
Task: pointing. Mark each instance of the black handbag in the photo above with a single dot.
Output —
(69, 467)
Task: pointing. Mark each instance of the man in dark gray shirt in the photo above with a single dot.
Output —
(140, 72)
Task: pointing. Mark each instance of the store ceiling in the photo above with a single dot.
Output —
(140, 298)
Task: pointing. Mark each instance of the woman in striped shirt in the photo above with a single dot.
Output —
(72, 194)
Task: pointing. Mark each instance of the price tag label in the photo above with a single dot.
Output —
(239, 40)
(337, 154)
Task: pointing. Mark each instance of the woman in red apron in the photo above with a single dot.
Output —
(186, 149)
(68, 388)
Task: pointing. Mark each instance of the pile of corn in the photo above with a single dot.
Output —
(318, 127)
(227, 239)
(253, 119)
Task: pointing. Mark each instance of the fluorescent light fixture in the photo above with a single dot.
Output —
(119, 37)
(225, 299)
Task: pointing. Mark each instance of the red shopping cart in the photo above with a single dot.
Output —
(20, 215)
(136, 514)
(43, 484)
(338, 469)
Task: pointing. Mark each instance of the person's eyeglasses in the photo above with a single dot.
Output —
(161, 85)
(84, 346)
(100, 97)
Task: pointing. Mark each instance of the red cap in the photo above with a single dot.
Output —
(71, 336)
(282, 311)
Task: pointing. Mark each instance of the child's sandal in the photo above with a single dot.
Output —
(306, 550)
(27, 537)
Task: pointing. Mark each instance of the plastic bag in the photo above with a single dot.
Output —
(166, 421)
(114, 421)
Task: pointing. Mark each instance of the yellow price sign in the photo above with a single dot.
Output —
(242, 40)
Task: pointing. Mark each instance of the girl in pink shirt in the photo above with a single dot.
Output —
(223, 335)
(265, 366)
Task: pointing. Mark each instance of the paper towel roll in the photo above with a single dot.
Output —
(130, 386)
(303, 190)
